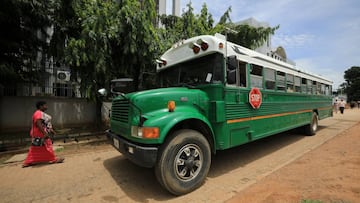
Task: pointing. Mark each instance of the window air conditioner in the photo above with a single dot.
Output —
(63, 75)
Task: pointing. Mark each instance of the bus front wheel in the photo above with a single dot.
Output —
(311, 128)
(184, 162)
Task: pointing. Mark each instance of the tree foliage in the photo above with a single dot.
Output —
(23, 36)
(115, 40)
(352, 78)
(186, 26)
(102, 40)
(190, 25)
(249, 36)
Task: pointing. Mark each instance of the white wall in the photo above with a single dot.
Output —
(16, 112)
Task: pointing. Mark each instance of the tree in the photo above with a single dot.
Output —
(244, 35)
(116, 39)
(23, 40)
(352, 78)
(184, 27)
(249, 36)
(190, 25)
(66, 25)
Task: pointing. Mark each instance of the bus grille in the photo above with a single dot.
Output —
(120, 111)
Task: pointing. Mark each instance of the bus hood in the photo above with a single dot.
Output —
(157, 99)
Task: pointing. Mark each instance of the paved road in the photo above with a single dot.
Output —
(106, 176)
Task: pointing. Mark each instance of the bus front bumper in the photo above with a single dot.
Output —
(140, 155)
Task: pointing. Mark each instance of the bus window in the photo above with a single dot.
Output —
(297, 82)
(318, 89)
(315, 88)
(231, 77)
(290, 83)
(256, 78)
(309, 87)
(328, 90)
(242, 71)
(232, 62)
(322, 89)
(203, 70)
(269, 79)
(303, 85)
(280, 79)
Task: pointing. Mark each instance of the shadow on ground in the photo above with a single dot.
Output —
(135, 180)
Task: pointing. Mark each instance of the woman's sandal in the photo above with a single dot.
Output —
(58, 160)
(26, 165)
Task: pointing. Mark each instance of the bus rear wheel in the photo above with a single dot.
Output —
(311, 128)
(184, 162)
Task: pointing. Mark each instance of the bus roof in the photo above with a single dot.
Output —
(186, 50)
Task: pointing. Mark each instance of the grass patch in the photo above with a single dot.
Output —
(58, 150)
(310, 201)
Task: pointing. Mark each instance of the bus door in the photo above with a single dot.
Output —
(237, 112)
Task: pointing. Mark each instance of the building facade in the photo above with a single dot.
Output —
(161, 7)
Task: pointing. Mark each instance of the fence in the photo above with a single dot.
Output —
(54, 81)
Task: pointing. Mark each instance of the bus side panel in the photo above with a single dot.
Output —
(239, 133)
(325, 112)
(222, 140)
(283, 111)
(279, 112)
(249, 130)
(238, 115)
(269, 126)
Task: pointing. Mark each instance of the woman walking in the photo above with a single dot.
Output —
(41, 149)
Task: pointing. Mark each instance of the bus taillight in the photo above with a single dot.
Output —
(204, 46)
(161, 62)
(196, 48)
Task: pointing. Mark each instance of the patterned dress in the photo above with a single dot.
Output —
(45, 152)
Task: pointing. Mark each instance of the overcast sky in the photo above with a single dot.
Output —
(321, 36)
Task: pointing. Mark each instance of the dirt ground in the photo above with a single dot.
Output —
(282, 168)
(329, 173)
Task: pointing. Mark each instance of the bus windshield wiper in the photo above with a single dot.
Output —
(185, 85)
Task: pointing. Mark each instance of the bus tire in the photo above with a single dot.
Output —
(311, 128)
(184, 162)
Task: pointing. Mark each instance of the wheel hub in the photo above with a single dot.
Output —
(188, 162)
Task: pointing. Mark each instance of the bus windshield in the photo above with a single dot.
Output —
(204, 70)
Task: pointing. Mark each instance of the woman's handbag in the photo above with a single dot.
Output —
(37, 141)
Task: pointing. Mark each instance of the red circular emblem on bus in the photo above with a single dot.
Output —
(255, 98)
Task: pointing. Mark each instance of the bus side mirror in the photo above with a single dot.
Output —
(232, 63)
(122, 86)
(102, 92)
(231, 77)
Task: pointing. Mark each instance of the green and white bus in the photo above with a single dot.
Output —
(214, 95)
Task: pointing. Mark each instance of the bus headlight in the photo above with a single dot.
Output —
(145, 132)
